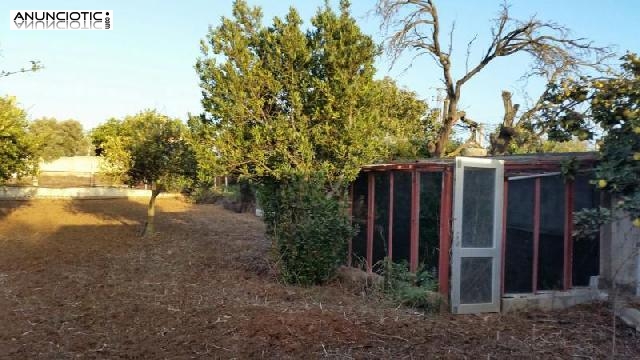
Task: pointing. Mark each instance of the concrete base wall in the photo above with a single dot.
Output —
(27, 193)
(620, 254)
(552, 300)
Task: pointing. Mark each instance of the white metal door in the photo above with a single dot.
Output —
(477, 229)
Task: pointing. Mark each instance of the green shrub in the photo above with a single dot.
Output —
(309, 229)
(205, 195)
(416, 290)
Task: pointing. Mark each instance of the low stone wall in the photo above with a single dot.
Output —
(552, 300)
(26, 193)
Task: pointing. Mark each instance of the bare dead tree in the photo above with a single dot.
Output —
(414, 26)
(499, 141)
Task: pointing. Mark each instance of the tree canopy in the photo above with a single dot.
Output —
(281, 101)
(16, 148)
(103, 132)
(55, 139)
(150, 148)
(609, 107)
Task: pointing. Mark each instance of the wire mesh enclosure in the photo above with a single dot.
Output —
(404, 212)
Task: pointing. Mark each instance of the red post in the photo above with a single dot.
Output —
(415, 211)
(370, 219)
(446, 203)
(390, 231)
(505, 204)
(536, 234)
(568, 238)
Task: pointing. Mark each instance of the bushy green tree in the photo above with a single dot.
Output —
(281, 101)
(101, 133)
(16, 148)
(210, 165)
(150, 148)
(283, 106)
(55, 139)
(408, 124)
(608, 107)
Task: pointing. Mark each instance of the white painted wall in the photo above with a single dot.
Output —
(26, 193)
(620, 253)
(73, 164)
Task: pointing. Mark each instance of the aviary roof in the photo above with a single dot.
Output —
(525, 164)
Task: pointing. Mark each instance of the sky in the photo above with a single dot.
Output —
(147, 59)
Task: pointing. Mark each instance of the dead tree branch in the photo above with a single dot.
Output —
(414, 26)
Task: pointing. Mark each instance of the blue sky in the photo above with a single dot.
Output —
(147, 60)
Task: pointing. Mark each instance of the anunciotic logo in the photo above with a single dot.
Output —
(61, 19)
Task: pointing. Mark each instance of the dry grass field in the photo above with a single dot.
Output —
(76, 281)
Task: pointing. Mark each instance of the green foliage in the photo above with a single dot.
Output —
(609, 106)
(150, 148)
(525, 141)
(410, 289)
(309, 229)
(573, 145)
(205, 195)
(409, 126)
(587, 223)
(16, 147)
(283, 105)
(569, 168)
(101, 133)
(55, 139)
(201, 138)
(281, 102)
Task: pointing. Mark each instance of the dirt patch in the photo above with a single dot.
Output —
(77, 282)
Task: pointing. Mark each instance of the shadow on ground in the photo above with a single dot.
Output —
(9, 206)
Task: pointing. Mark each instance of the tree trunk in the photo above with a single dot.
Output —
(500, 142)
(445, 132)
(151, 211)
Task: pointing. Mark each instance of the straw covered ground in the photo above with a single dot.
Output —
(76, 281)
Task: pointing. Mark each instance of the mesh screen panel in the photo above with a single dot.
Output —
(586, 252)
(401, 216)
(475, 280)
(478, 207)
(381, 223)
(519, 245)
(551, 245)
(359, 212)
(429, 220)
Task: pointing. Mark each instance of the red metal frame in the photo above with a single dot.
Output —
(415, 211)
(446, 203)
(370, 219)
(568, 238)
(390, 231)
(504, 233)
(536, 233)
(440, 166)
